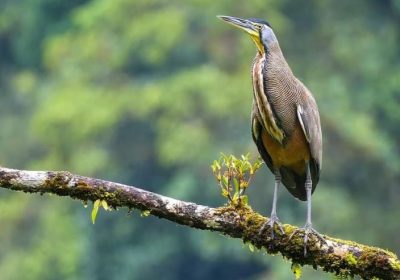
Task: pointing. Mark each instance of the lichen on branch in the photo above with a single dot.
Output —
(235, 220)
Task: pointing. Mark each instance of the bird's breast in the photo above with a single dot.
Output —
(294, 153)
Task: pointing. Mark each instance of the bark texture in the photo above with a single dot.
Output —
(345, 258)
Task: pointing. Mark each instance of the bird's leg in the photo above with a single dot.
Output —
(274, 218)
(307, 229)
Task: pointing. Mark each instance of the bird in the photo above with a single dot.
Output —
(285, 122)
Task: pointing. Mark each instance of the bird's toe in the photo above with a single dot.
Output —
(273, 220)
(308, 231)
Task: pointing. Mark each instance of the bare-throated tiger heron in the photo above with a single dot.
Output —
(285, 121)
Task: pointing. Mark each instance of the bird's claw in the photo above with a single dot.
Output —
(307, 230)
(273, 220)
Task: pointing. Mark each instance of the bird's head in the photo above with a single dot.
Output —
(259, 30)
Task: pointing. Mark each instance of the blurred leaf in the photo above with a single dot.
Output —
(145, 213)
(297, 270)
(251, 247)
(95, 209)
(105, 206)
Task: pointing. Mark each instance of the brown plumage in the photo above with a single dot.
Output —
(286, 96)
(285, 122)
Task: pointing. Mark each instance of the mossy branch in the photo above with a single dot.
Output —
(337, 256)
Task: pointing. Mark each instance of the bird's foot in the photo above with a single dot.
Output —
(307, 230)
(273, 220)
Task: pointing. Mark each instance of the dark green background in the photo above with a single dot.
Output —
(148, 93)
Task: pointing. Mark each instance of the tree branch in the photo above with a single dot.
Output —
(337, 256)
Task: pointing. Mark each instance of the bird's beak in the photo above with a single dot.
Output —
(243, 24)
(248, 27)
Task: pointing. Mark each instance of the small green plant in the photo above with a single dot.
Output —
(296, 269)
(234, 176)
(96, 206)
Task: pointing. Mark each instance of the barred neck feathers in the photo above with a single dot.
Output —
(275, 57)
(282, 88)
(268, 118)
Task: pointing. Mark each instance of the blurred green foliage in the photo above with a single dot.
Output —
(150, 92)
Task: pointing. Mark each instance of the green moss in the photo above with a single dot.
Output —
(366, 261)
(394, 263)
(350, 259)
(369, 261)
(84, 191)
(366, 249)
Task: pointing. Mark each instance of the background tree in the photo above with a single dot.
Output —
(149, 92)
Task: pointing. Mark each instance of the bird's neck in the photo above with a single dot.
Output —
(267, 37)
(273, 48)
(271, 71)
(261, 99)
(276, 61)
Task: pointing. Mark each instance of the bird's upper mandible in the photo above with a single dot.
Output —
(260, 31)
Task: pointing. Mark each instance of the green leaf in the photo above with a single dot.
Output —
(235, 197)
(145, 213)
(225, 180)
(296, 268)
(104, 204)
(215, 166)
(257, 165)
(246, 166)
(245, 199)
(236, 184)
(251, 248)
(95, 209)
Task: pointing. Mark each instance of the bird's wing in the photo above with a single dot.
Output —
(307, 113)
(256, 130)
